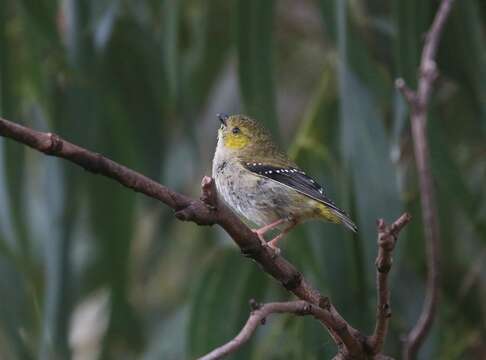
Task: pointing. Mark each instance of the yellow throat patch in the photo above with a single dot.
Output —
(237, 141)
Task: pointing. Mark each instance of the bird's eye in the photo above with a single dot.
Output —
(236, 130)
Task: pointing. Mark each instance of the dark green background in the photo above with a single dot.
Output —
(88, 267)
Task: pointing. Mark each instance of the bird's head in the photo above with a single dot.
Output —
(241, 135)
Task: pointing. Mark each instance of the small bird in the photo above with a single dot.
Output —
(263, 185)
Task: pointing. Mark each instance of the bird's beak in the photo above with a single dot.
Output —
(222, 118)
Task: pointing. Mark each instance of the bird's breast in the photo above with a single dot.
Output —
(258, 199)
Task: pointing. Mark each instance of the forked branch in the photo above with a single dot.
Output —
(208, 211)
(418, 102)
(387, 239)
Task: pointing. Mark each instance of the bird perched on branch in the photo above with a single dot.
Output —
(263, 185)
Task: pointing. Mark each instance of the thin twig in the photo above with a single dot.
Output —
(258, 316)
(387, 238)
(206, 211)
(419, 102)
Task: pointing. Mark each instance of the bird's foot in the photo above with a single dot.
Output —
(260, 236)
(272, 244)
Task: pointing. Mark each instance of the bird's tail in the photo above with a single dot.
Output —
(346, 221)
(332, 213)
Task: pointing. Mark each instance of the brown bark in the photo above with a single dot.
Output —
(418, 102)
(208, 211)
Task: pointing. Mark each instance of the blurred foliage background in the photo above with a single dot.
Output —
(91, 270)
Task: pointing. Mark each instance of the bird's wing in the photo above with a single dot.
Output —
(299, 181)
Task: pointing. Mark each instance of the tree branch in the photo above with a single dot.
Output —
(207, 211)
(418, 103)
(387, 238)
(257, 317)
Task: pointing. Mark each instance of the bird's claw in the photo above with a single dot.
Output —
(260, 237)
(276, 250)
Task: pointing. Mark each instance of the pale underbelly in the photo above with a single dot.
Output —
(260, 200)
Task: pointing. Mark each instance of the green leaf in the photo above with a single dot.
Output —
(254, 41)
(43, 14)
(359, 55)
(464, 34)
(170, 31)
(139, 100)
(105, 14)
(411, 20)
(315, 131)
(14, 314)
(221, 302)
(58, 282)
(206, 57)
(78, 43)
(366, 151)
(7, 230)
(452, 183)
(169, 339)
(9, 108)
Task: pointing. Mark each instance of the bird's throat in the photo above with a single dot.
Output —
(236, 142)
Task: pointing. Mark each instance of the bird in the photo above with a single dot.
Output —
(262, 185)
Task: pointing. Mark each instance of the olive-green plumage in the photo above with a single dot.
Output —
(262, 184)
